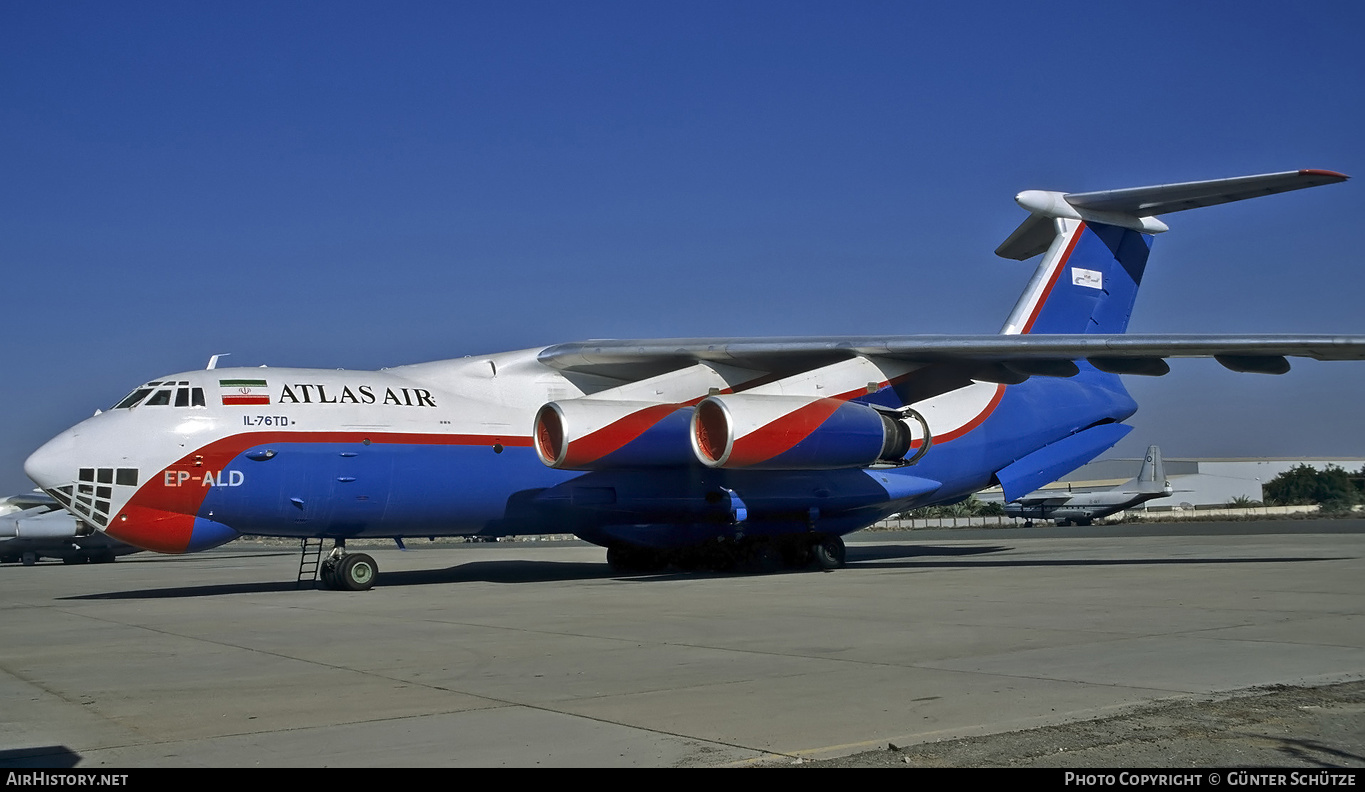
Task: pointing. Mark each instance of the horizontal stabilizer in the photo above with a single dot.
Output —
(1134, 207)
(1033, 236)
(1167, 198)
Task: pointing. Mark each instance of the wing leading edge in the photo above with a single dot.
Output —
(1023, 355)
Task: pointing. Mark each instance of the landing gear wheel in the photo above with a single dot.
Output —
(30, 559)
(721, 558)
(796, 554)
(328, 572)
(75, 559)
(764, 559)
(618, 559)
(829, 552)
(628, 559)
(356, 572)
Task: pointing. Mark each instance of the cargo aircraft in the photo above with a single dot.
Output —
(698, 451)
(1065, 507)
(34, 526)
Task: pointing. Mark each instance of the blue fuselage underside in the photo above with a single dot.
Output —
(386, 490)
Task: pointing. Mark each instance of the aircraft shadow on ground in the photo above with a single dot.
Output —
(1315, 754)
(870, 556)
(515, 571)
(51, 757)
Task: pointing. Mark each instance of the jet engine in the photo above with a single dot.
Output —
(802, 433)
(597, 434)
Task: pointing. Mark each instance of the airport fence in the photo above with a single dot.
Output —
(1149, 515)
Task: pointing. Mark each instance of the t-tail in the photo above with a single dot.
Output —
(1096, 244)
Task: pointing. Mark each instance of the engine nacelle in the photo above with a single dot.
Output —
(598, 434)
(41, 523)
(797, 433)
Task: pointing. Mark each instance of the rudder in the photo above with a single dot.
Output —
(1087, 282)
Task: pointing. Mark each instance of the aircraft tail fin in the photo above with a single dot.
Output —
(1152, 476)
(1096, 246)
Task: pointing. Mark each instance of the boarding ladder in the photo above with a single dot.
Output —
(310, 559)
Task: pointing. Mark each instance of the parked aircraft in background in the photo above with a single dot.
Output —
(690, 451)
(35, 526)
(1082, 508)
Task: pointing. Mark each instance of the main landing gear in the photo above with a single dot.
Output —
(829, 552)
(762, 555)
(343, 571)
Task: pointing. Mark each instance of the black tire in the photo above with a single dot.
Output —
(721, 558)
(764, 559)
(829, 552)
(327, 573)
(796, 554)
(30, 559)
(356, 572)
(629, 559)
(75, 559)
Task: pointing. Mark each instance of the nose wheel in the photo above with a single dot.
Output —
(343, 571)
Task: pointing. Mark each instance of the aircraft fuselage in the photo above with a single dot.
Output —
(446, 449)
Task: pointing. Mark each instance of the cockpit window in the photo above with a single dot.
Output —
(181, 396)
(133, 398)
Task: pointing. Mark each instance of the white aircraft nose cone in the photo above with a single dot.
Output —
(53, 465)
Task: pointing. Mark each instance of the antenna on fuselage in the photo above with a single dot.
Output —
(213, 361)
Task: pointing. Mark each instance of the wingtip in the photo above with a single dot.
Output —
(1333, 176)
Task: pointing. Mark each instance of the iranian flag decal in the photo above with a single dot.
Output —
(244, 391)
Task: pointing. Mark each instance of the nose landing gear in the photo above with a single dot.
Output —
(343, 571)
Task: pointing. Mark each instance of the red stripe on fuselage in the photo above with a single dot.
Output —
(1052, 281)
(160, 515)
(970, 425)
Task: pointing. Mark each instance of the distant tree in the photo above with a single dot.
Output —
(971, 507)
(1305, 485)
(1243, 502)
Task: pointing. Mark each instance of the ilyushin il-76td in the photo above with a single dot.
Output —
(700, 451)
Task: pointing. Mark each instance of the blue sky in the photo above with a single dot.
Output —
(358, 185)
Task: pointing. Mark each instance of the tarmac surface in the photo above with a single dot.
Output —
(1121, 646)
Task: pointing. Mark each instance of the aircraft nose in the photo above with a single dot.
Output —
(54, 464)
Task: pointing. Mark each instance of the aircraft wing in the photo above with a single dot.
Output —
(1042, 500)
(990, 358)
(31, 500)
